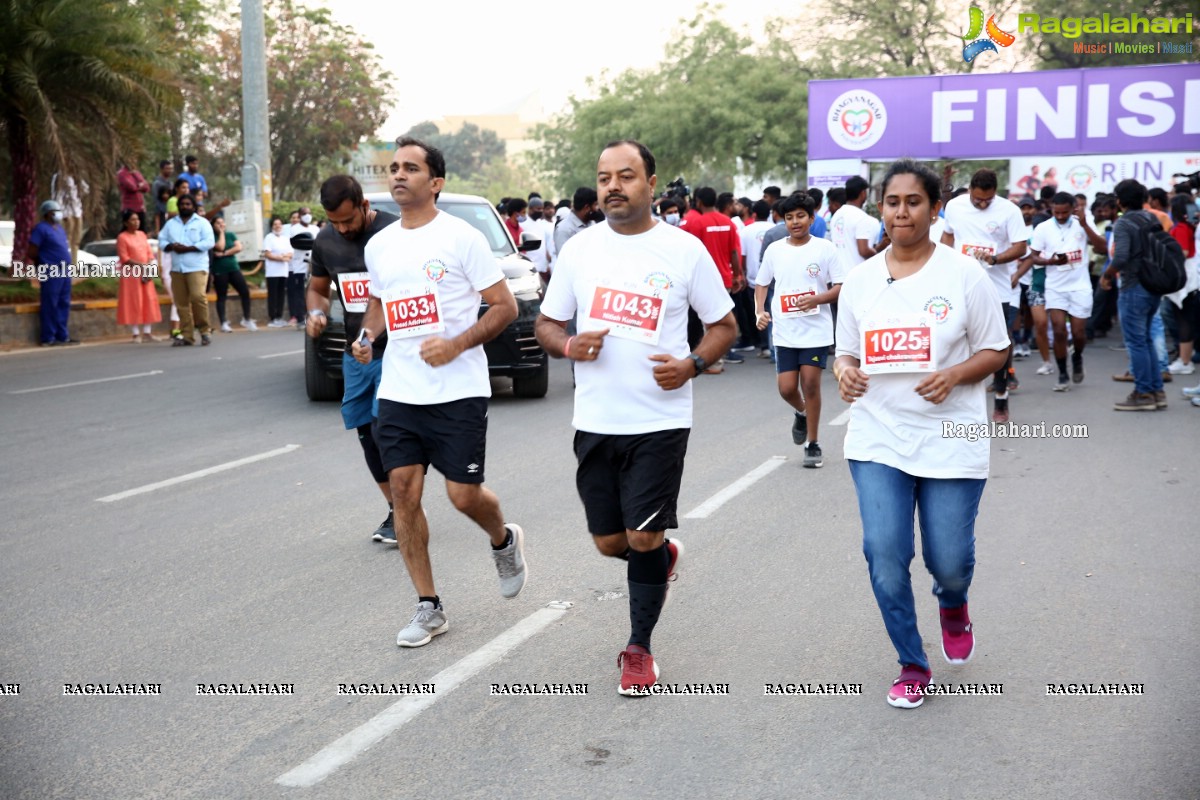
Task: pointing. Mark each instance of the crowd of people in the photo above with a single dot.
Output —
(645, 292)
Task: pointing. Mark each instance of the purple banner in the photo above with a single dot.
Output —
(1111, 110)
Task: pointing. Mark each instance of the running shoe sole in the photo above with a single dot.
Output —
(445, 626)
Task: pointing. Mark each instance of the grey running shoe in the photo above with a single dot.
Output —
(800, 428)
(427, 623)
(1064, 384)
(386, 533)
(510, 563)
(812, 456)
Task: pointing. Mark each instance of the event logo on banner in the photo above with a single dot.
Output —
(857, 119)
(973, 46)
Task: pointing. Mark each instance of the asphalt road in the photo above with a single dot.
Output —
(264, 573)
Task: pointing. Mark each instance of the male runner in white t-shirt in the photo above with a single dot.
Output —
(631, 281)
(994, 234)
(853, 230)
(427, 274)
(807, 273)
(1060, 245)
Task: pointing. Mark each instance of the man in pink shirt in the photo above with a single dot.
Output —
(134, 189)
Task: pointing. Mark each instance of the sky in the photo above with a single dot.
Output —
(470, 57)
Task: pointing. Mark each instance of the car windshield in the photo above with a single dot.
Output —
(482, 218)
(102, 249)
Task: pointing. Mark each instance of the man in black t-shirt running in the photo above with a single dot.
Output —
(338, 255)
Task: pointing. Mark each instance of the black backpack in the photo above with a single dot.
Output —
(1162, 268)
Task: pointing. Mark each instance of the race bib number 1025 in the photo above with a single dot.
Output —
(897, 346)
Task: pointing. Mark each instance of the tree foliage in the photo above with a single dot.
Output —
(326, 92)
(717, 105)
(469, 151)
(78, 80)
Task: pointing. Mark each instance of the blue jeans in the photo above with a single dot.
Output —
(1137, 308)
(947, 508)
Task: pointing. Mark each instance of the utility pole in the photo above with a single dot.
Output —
(256, 126)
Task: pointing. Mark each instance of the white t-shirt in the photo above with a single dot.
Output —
(1025, 280)
(543, 230)
(616, 393)
(278, 245)
(446, 258)
(848, 225)
(935, 230)
(988, 232)
(807, 269)
(752, 236)
(1049, 239)
(300, 258)
(891, 424)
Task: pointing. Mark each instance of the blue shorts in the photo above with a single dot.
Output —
(360, 405)
(790, 359)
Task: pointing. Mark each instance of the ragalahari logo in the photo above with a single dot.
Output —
(973, 46)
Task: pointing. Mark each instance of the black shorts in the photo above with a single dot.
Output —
(630, 482)
(451, 436)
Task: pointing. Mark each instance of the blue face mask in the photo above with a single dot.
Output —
(672, 219)
(522, 218)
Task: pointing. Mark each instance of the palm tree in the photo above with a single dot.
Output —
(80, 81)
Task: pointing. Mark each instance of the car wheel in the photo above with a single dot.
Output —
(532, 384)
(317, 382)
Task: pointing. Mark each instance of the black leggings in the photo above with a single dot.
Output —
(221, 283)
(366, 438)
(276, 289)
(1189, 318)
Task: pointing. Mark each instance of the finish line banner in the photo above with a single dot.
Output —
(1108, 110)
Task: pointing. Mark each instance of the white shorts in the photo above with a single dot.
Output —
(1076, 302)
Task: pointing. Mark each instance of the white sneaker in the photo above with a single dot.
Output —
(1177, 367)
(248, 324)
(276, 323)
(1046, 368)
(226, 327)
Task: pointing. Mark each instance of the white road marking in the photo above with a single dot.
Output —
(191, 476)
(348, 747)
(288, 353)
(86, 383)
(731, 491)
(841, 419)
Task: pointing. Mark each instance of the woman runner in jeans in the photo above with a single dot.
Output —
(919, 329)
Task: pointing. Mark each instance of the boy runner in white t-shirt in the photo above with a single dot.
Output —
(807, 272)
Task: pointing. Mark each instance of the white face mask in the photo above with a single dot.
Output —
(58, 215)
(306, 218)
(672, 219)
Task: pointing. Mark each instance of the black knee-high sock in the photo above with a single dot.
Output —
(647, 575)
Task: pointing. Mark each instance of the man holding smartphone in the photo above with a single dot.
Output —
(427, 275)
(337, 255)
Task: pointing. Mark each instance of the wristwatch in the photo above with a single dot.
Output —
(700, 363)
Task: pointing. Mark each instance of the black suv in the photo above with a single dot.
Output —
(515, 353)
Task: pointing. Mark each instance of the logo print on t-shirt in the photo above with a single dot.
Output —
(659, 280)
(813, 270)
(992, 226)
(939, 308)
(435, 270)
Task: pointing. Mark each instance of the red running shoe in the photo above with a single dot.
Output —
(675, 553)
(908, 691)
(958, 642)
(638, 671)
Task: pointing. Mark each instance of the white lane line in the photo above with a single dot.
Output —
(87, 383)
(737, 487)
(279, 355)
(841, 419)
(348, 747)
(191, 476)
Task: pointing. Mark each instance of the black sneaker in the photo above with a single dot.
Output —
(1077, 369)
(800, 429)
(205, 340)
(733, 358)
(385, 533)
(1013, 383)
(812, 456)
(179, 341)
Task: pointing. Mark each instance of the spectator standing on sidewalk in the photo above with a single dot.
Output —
(226, 273)
(189, 238)
(137, 298)
(277, 251)
(48, 246)
(69, 194)
(134, 189)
